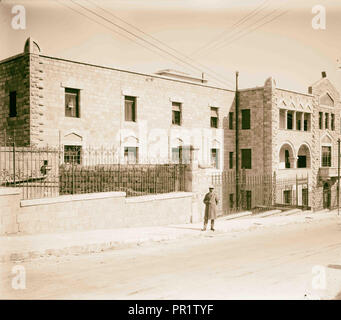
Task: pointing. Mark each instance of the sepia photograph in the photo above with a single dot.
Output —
(170, 154)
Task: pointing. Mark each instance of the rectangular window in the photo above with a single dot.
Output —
(131, 154)
(181, 154)
(326, 121)
(332, 124)
(289, 120)
(73, 154)
(246, 119)
(287, 196)
(246, 159)
(306, 123)
(231, 160)
(176, 155)
(231, 120)
(326, 156)
(71, 103)
(320, 120)
(13, 104)
(215, 158)
(214, 117)
(176, 113)
(130, 108)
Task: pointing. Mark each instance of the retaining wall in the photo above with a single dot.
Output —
(104, 210)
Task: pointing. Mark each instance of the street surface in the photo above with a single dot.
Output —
(296, 261)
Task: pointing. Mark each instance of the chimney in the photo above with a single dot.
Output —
(324, 74)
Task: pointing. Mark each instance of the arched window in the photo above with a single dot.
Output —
(287, 161)
(286, 157)
(303, 160)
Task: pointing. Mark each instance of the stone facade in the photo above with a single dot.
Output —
(284, 131)
(14, 77)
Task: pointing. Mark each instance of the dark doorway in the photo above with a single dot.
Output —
(305, 197)
(326, 196)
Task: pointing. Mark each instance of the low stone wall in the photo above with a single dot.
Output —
(104, 210)
(9, 207)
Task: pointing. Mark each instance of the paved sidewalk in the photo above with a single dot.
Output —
(25, 247)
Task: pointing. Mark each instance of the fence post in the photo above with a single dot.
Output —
(14, 162)
(274, 185)
(73, 177)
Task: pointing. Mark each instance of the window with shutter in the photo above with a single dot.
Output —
(129, 108)
(176, 113)
(71, 103)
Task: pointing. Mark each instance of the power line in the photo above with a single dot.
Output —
(136, 36)
(232, 28)
(124, 36)
(219, 45)
(249, 31)
(161, 42)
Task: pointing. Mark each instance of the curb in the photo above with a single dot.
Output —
(101, 246)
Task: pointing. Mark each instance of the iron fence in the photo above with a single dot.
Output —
(257, 193)
(134, 179)
(49, 172)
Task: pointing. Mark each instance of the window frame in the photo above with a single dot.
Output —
(176, 114)
(321, 120)
(231, 160)
(133, 101)
(246, 119)
(214, 118)
(67, 154)
(126, 150)
(332, 121)
(217, 151)
(76, 93)
(231, 118)
(13, 112)
(243, 159)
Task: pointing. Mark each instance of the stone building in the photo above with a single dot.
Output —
(293, 136)
(73, 105)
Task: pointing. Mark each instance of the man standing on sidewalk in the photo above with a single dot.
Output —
(211, 201)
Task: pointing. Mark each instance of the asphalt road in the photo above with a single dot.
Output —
(297, 261)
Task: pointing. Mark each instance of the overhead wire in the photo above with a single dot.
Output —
(232, 28)
(140, 38)
(163, 43)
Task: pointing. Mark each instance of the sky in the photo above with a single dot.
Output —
(259, 38)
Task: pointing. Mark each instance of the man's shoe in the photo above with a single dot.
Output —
(212, 229)
(203, 229)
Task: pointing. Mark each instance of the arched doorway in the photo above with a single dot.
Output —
(286, 157)
(326, 196)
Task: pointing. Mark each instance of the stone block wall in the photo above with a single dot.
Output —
(9, 207)
(14, 76)
(101, 120)
(108, 210)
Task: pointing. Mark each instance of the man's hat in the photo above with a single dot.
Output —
(211, 187)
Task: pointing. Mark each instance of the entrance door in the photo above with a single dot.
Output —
(326, 196)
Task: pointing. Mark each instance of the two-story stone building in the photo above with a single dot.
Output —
(73, 105)
(46, 100)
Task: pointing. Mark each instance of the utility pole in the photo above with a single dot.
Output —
(237, 140)
(338, 176)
